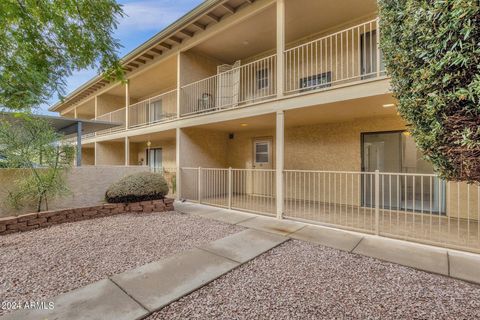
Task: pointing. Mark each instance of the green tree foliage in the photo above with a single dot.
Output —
(43, 41)
(33, 147)
(432, 53)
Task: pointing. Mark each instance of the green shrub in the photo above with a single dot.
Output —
(432, 54)
(138, 187)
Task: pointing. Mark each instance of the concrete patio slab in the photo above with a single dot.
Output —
(245, 245)
(194, 208)
(413, 255)
(465, 266)
(159, 283)
(337, 239)
(228, 216)
(101, 300)
(282, 227)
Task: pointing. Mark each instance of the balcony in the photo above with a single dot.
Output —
(157, 109)
(342, 57)
(118, 116)
(239, 86)
(348, 56)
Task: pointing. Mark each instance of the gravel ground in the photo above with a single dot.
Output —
(41, 264)
(298, 280)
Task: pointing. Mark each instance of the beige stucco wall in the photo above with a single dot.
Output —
(87, 186)
(332, 146)
(108, 102)
(194, 67)
(203, 148)
(110, 153)
(88, 156)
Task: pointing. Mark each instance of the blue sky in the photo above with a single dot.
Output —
(144, 19)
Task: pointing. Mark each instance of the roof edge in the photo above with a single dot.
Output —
(172, 28)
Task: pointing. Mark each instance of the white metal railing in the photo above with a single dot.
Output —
(348, 55)
(418, 207)
(240, 86)
(160, 108)
(118, 116)
(415, 207)
(245, 189)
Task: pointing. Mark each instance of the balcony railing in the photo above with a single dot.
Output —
(342, 57)
(156, 109)
(345, 56)
(114, 116)
(243, 85)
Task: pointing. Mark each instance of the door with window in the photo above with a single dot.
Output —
(154, 159)
(261, 180)
(396, 152)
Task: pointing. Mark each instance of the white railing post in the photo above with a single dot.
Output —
(280, 47)
(178, 163)
(127, 105)
(377, 202)
(230, 188)
(378, 47)
(199, 186)
(280, 146)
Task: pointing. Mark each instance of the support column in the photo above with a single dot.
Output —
(96, 106)
(75, 113)
(178, 163)
(279, 161)
(95, 153)
(127, 103)
(79, 144)
(127, 151)
(280, 46)
(179, 84)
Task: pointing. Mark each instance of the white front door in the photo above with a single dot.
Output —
(262, 178)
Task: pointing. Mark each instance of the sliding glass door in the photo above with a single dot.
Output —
(396, 152)
(154, 157)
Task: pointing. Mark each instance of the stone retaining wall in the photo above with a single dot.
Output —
(44, 219)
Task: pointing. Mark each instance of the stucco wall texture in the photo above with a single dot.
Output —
(87, 186)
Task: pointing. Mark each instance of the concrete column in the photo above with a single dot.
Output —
(178, 163)
(179, 84)
(79, 144)
(279, 161)
(96, 107)
(127, 103)
(95, 153)
(280, 46)
(75, 113)
(127, 151)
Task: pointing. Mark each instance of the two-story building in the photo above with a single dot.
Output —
(280, 107)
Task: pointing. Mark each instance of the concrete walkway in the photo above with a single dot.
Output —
(137, 293)
(452, 263)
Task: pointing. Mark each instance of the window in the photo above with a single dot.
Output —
(262, 79)
(318, 81)
(261, 152)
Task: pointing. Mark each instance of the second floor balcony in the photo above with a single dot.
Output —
(348, 56)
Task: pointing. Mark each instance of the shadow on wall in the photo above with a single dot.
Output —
(87, 186)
